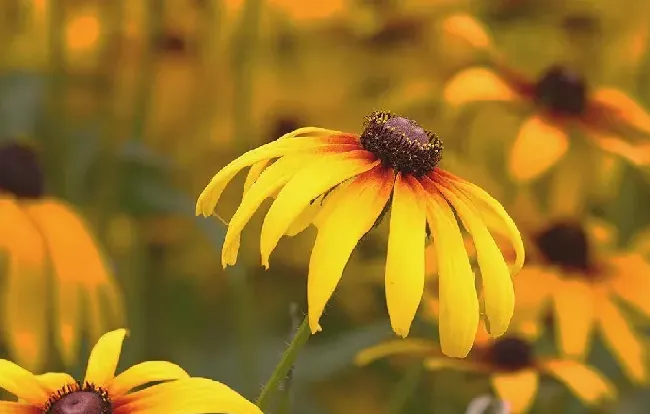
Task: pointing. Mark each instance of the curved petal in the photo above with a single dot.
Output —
(623, 107)
(7, 407)
(478, 84)
(518, 389)
(412, 347)
(574, 311)
(209, 198)
(104, 358)
(306, 218)
(254, 173)
(458, 364)
(339, 232)
(538, 146)
(467, 28)
(25, 295)
(143, 373)
(22, 383)
(533, 289)
(458, 304)
(306, 185)
(634, 152)
(192, 395)
(589, 385)
(405, 257)
(498, 291)
(55, 381)
(630, 281)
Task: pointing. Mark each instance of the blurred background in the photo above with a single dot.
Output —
(130, 107)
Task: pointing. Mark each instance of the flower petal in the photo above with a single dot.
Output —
(459, 309)
(467, 28)
(589, 385)
(499, 297)
(518, 389)
(306, 218)
(635, 152)
(209, 198)
(574, 313)
(411, 347)
(254, 173)
(405, 257)
(306, 185)
(533, 289)
(143, 373)
(22, 383)
(339, 232)
(630, 281)
(478, 84)
(623, 107)
(7, 407)
(55, 381)
(538, 146)
(192, 395)
(104, 358)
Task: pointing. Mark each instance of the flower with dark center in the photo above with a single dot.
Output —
(565, 244)
(392, 165)
(510, 353)
(563, 91)
(20, 172)
(103, 392)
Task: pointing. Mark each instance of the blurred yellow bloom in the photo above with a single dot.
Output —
(53, 266)
(102, 392)
(344, 183)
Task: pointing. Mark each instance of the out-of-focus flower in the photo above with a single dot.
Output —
(102, 392)
(52, 260)
(345, 183)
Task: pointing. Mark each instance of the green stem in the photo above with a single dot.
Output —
(405, 388)
(285, 365)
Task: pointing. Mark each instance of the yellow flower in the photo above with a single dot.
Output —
(344, 183)
(102, 392)
(53, 266)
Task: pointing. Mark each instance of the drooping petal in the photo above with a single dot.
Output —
(574, 312)
(209, 198)
(104, 358)
(630, 281)
(518, 389)
(410, 347)
(25, 293)
(22, 383)
(346, 216)
(306, 218)
(533, 288)
(459, 309)
(254, 173)
(7, 407)
(305, 186)
(192, 395)
(465, 27)
(620, 338)
(405, 257)
(143, 373)
(537, 147)
(55, 381)
(589, 385)
(498, 291)
(458, 364)
(635, 152)
(623, 108)
(478, 84)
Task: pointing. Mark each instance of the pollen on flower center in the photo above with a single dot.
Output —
(78, 399)
(511, 354)
(562, 91)
(20, 172)
(565, 244)
(401, 143)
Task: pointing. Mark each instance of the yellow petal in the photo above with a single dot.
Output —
(533, 289)
(192, 395)
(339, 232)
(7, 407)
(306, 218)
(55, 381)
(630, 281)
(306, 185)
(25, 292)
(405, 257)
(459, 309)
(498, 291)
(518, 389)
(574, 313)
(620, 338)
(477, 84)
(414, 347)
(467, 28)
(21, 383)
(440, 363)
(624, 107)
(585, 382)
(143, 373)
(104, 358)
(210, 196)
(254, 173)
(538, 146)
(636, 153)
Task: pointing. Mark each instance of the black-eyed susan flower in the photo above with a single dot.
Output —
(56, 275)
(345, 183)
(510, 362)
(103, 392)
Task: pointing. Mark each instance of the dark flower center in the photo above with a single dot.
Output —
(562, 91)
(20, 172)
(401, 143)
(565, 244)
(511, 354)
(282, 125)
(78, 399)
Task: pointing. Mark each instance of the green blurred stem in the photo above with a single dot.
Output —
(285, 365)
(405, 389)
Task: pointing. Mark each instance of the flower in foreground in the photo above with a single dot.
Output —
(344, 183)
(51, 257)
(102, 392)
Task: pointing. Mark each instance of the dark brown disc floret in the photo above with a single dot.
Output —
(20, 171)
(79, 399)
(562, 91)
(565, 244)
(510, 353)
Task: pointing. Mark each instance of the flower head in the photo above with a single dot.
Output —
(103, 392)
(344, 183)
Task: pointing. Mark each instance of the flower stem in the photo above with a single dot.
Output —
(285, 365)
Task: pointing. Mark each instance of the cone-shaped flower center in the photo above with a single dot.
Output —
(565, 244)
(20, 173)
(562, 91)
(81, 402)
(401, 143)
(511, 354)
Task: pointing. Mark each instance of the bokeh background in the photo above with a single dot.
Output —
(133, 105)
